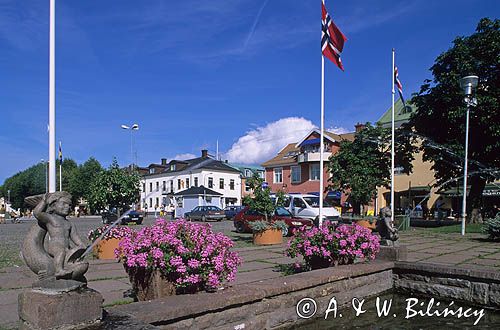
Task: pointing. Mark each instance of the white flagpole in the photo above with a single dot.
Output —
(321, 140)
(52, 98)
(392, 143)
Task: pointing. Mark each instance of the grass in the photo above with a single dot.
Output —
(119, 302)
(9, 256)
(469, 228)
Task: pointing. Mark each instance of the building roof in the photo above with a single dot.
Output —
(401, 115)
(285, 156)
(207, 163)
(197, 191)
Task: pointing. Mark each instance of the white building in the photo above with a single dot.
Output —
(164, 180)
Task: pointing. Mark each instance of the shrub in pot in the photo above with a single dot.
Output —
(491, 227)
(106, 246)
(266, 232)
(328, 246)
(177, 257)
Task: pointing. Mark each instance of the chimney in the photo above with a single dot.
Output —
(204, 153)
(359, 127)
(164, 161)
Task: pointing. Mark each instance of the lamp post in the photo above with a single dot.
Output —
(468, 84)
(134, 127)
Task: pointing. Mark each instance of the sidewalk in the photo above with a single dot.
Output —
(259, 264)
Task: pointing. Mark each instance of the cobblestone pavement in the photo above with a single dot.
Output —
(259, 263)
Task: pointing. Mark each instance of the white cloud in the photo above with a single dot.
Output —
(184, 156)
(263, 143)
(338, 130)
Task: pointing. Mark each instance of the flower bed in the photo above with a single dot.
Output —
(328, 246)
(187, 254)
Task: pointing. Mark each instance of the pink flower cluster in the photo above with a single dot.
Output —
(190, 254)
(341, 245)
(115, 232)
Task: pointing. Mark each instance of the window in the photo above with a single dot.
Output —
(196, 182)
(221, 183)
(314, 172)
(261, 174)
(151, 171)
(247, 187)
(171, 186)
(164, 185)
(297, 202)
(144, 187)
(151, 187)
(278, 175)
(208, 199)
(157, 186)
(210, 182)
(157, 203)
(296, 174)
(187, 182)
(150, 202)
(231, 184)
(248, 173)
(178, 184)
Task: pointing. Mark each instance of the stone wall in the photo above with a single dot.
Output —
(448, 282)
(264, 305)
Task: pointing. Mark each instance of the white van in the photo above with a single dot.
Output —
(307, 206)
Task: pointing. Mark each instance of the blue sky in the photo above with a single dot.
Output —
(243, 72)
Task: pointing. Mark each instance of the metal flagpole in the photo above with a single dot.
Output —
(52, 99)
(321, 140)
(392, 143)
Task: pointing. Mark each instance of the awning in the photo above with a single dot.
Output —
(310, 142)
(330, 194)
(491, 189)
(417, 191)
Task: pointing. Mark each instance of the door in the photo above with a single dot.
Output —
(298, 206)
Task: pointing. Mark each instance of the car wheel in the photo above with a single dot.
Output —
(203, 218)
(139, 222)
(187, 218)
(284, 232)
(239, 227)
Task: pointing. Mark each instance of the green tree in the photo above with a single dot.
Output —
(25, 183)
(362, 165)
(262, 202)
(114, 187)
(440, 119)
(79, 183)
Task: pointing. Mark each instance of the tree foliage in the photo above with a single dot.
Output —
(362, 165)
(30, 181)
(79, 183)
(440, 119)
(262, 202)
(114, 187)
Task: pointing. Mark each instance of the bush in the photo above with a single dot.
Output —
(262, 225)
(492, 227)
(328, 245)
(115, 232)
(189, 254)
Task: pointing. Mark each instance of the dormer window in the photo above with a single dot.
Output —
(248, 173)
(172, 167)
(152, 170)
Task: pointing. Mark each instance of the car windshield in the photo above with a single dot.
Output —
(282, 212)
(314, 202)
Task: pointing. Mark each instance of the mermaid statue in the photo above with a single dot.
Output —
(52, 247)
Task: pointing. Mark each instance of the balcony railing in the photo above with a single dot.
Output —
(312, 156)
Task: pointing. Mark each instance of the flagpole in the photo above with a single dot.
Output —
(392, 143)
(52, 99)
(321, 140)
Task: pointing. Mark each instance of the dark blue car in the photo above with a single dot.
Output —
(231, 210)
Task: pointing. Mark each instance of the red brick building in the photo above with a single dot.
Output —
(295, 169)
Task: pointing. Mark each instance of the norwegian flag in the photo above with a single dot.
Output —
(332, 39)
(399, 85)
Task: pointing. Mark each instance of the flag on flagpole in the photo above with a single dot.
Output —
(399, 85)
(60, 153)
(332, 39)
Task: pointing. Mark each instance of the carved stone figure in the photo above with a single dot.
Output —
(385, 228)
(52, 246)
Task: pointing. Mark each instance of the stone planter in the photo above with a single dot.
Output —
(149, 285)
(268, 237)
(105, 249)
(318, 262)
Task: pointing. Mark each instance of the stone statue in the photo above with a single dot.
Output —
(385, 228)
(52, 247)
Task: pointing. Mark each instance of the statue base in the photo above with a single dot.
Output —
(393, 253)
(47, 309)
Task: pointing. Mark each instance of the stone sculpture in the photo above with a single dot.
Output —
(385, 228)
(52, 246)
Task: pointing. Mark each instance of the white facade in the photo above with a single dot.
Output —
(155, 187)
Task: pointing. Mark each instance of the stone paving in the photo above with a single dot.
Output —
(260, 264)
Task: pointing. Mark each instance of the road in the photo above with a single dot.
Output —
(12, 234)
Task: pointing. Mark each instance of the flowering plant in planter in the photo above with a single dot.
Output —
(327, 246)
(189, 255)
(117, 232)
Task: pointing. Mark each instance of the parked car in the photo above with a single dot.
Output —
(307, 207)
(110, 216)
(232, 210)
(205, 213)
(244, 217)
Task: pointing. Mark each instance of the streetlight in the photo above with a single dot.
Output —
(134, 127)
(468, 84)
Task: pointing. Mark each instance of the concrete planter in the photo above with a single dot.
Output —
(268, 237)
(105, 249)
(149, 285)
